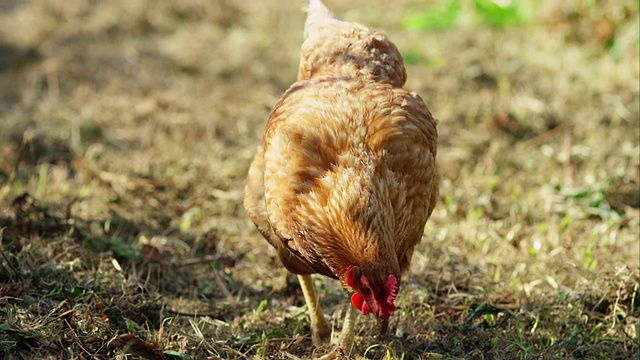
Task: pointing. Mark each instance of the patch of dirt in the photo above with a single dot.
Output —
(127, 132)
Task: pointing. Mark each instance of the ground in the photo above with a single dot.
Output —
(128, 127)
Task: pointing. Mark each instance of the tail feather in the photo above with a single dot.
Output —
(317, 6)
(318, 15)
(347, 49)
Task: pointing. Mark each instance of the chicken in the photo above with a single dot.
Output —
(346, 177)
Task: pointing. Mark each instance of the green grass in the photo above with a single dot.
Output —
(128, 129)
(449, 13)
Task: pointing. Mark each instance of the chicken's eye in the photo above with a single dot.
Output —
(366, 291)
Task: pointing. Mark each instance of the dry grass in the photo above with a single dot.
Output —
(128, 128)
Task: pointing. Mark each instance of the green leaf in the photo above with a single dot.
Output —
(484, 309)
(443, 17)
(593, 331)
(188, 218)
(115, 316)
(566, 220)
(131, 326)
(17, 335)
(63, 293)
(260, 308)
(572, 340)
(123, 249)
(499, 13)
(413, 57)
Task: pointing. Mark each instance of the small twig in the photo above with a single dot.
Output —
(6, 258)
(266, 342)
(77, 339)
(205, 259)
(218, 279)
(229, 348)
(222, 344)
(67, 215)
(181, 313)
(538, 140)
(283, 340)
(291, 356)
(58, 317)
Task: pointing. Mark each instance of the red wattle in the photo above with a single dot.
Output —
(365, 309)
(357, 301)
(360, 304)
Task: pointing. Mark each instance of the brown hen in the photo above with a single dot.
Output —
(346, 178)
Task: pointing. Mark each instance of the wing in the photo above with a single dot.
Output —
(254, 204)
(407, 136)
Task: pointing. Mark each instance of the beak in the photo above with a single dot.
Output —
(384, 326)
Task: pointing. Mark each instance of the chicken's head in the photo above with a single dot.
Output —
(373, 295)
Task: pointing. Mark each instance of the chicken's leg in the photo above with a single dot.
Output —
(348, 328)
(320, 330)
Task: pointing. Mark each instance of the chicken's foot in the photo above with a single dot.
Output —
(320, 330)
